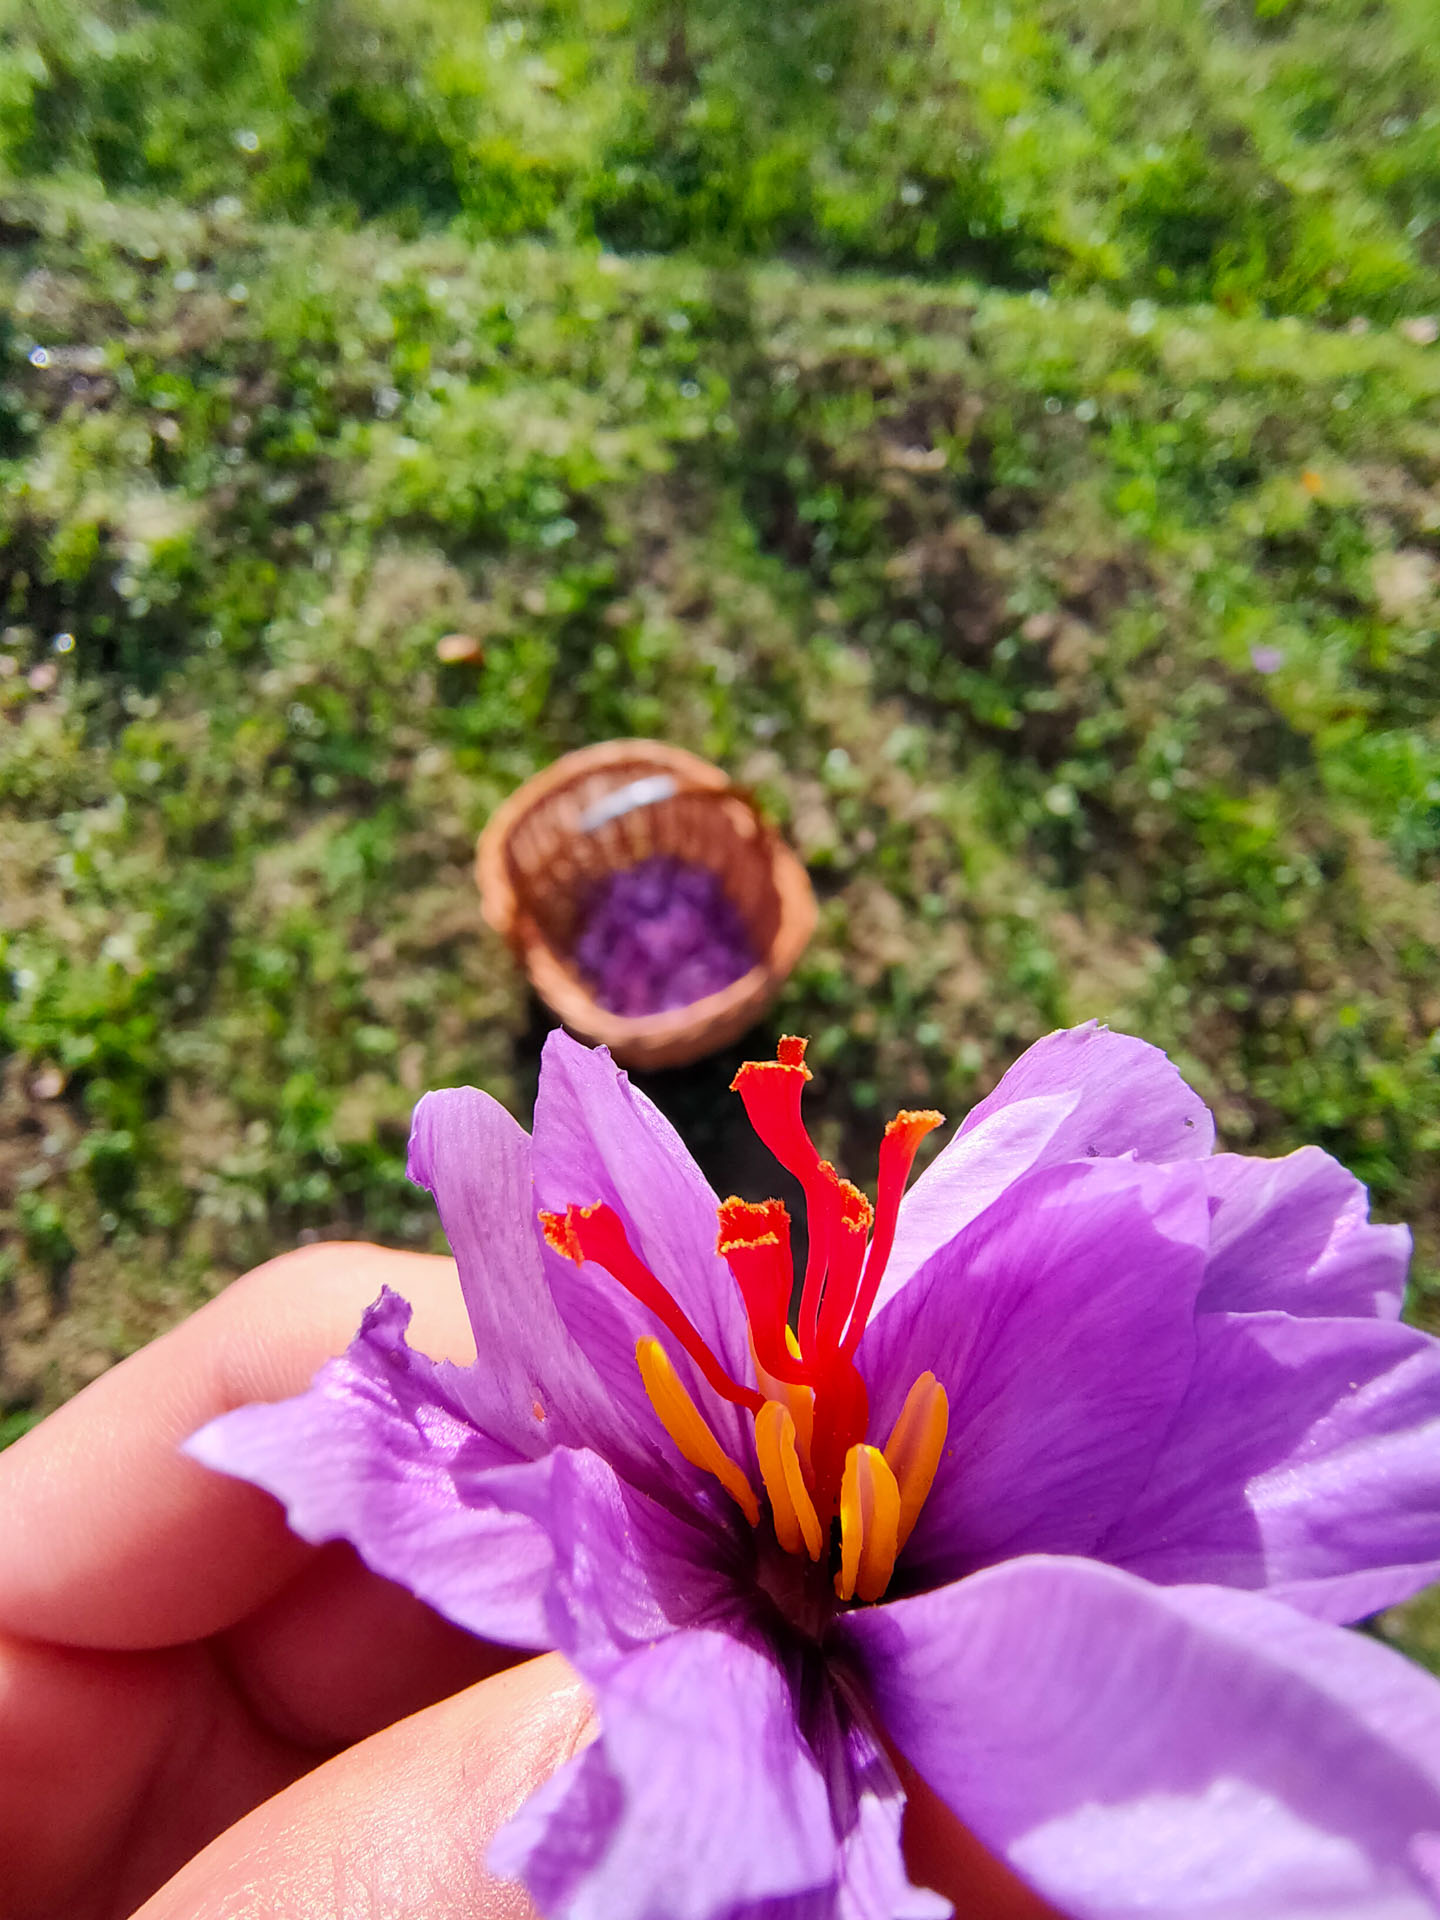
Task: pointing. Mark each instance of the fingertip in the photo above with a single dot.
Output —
(288, 1316)
(942, 1853)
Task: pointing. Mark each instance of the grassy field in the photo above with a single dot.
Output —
(1009, 440)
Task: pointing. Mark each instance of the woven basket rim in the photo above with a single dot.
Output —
(498, 901)
(681, 1033)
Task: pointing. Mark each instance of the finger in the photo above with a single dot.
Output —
(114, 1538)
(941, 1852)
(116, 1767)
(339, 1653)
(398, 1827)
(86, 1740)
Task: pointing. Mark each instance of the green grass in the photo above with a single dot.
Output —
(1279, 157)
(12, 1425)
(926, 413)
(964, 582)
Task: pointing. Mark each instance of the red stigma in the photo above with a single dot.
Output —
(850, 1242)
(560, 1235)
(850, 1224)
(771, 1090)
(842, 1279)
(597, 1233)
(755, 1243)
(897, 1155)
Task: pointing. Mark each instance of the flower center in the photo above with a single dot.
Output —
(832, 1494)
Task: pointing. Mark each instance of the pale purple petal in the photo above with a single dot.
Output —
(381, 1452)
(660, 934)
(1082, 1093)
(1061, 1325)
(467, 1151)
(599, 1138)
(628, 1570)
(1379, 1686)
(1295, 1233)
(969, 1175)
(1135, 1751)
(867, 1797)
(1305, 1459)
(726, 1781)
(1132, 1099)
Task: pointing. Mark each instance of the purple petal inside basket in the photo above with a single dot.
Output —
(660, 935)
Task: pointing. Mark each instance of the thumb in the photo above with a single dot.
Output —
(397, 1827)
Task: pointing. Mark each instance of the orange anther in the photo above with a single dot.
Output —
(913, 1450)
(797, 1525)
(869, 1525)
(599, 1234)
(686, 1426)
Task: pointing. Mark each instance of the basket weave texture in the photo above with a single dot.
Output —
(608, 807)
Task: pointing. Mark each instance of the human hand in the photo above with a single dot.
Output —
(172, 1657)
(202, 1716)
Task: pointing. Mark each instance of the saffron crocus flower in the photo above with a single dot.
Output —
(1055, 1490)
(660, 935)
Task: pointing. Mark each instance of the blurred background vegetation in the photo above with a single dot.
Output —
(1007, 436)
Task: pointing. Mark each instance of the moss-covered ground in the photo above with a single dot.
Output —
(1008, 439)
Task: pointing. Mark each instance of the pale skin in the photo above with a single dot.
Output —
(203, 1718)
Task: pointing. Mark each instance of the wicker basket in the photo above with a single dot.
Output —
(608, 807)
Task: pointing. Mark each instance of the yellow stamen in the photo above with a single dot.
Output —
(869, 1525)
(800, 1401)
(797, 1525)
(913, 1450)
(686, 1426)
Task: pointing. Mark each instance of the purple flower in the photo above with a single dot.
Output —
(1076, 1455)
(660, 935)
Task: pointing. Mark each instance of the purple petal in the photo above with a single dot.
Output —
(1171, 1754)
(1061, 1324)
(467, 1151)
(562, 1833)
(1295, 1233)
(599, 1138)
(381, 1452)
(969, 1175)
(1305, 1459)
(660, 934)
(723, 1783)
(1384, 1690)
(1083, 1093)
(628, 1570)
(1132, 1099)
